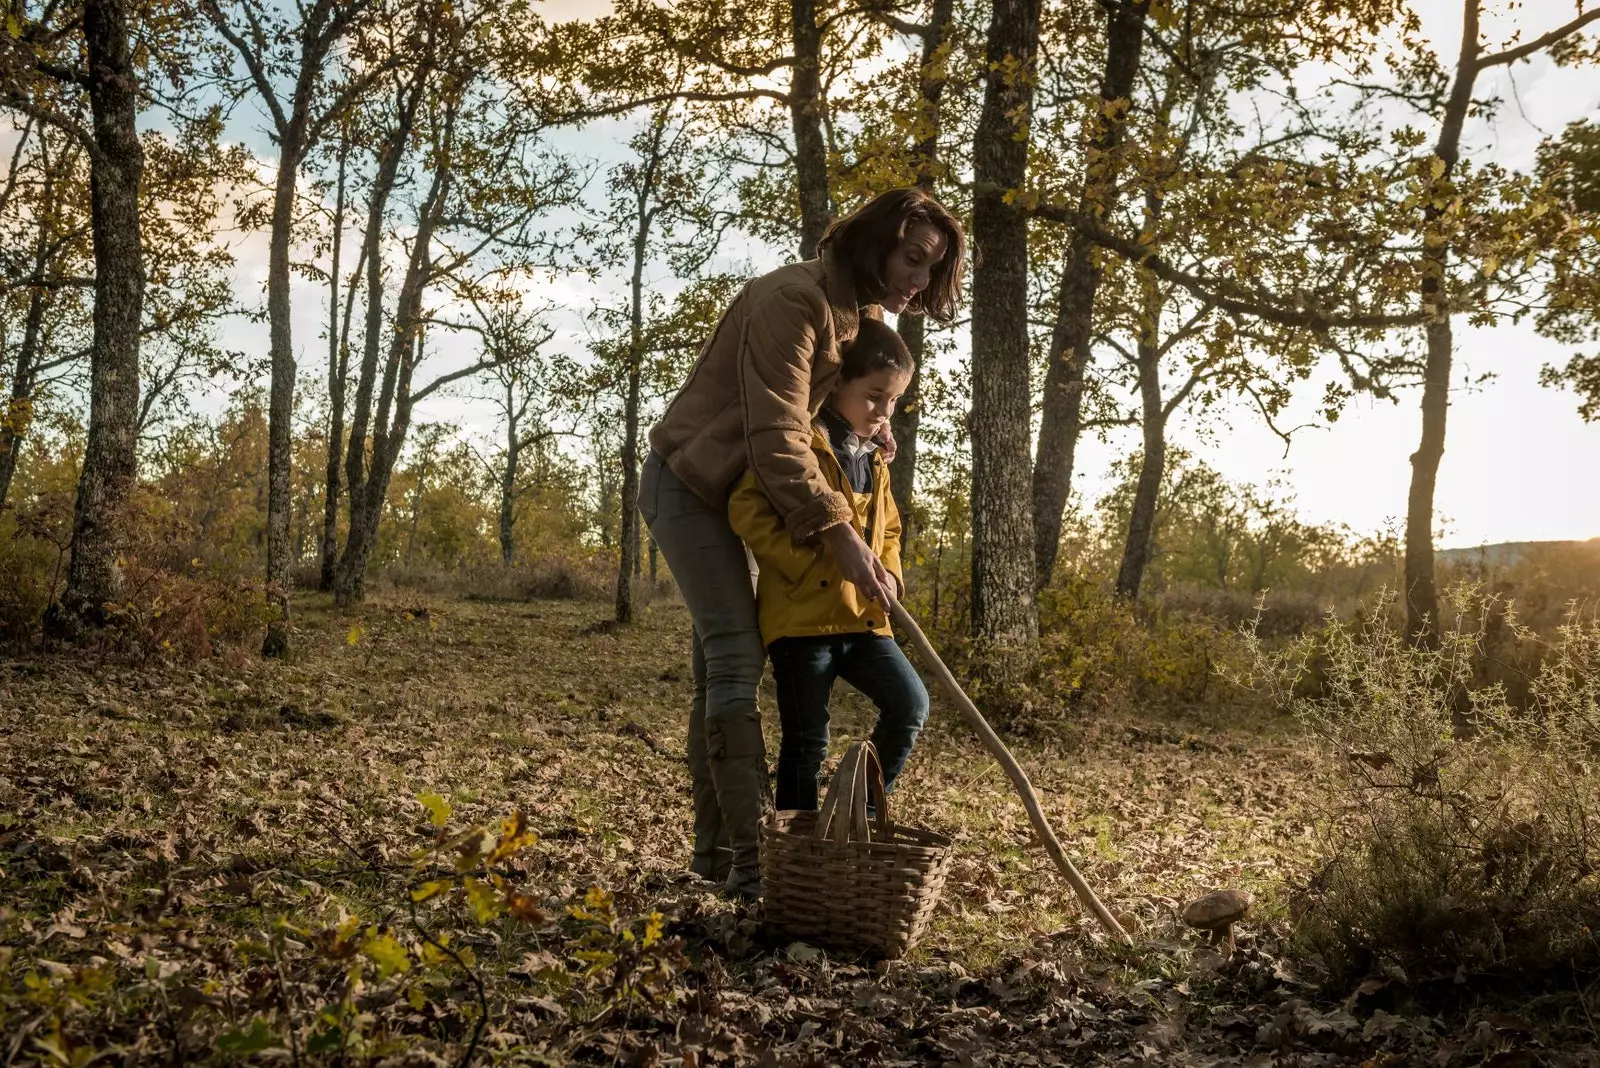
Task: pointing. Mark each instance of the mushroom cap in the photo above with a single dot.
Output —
(1219, 909)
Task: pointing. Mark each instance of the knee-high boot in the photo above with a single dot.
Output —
(712, 857)
(738, 759)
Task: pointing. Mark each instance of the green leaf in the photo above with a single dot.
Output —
(485, 906)
(325, 1041)
(387, 953)
(430, 889)
(242, 1043)
(437, 807)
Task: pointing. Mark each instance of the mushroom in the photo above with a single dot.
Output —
(1216, 913)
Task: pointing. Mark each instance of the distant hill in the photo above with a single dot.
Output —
(1511, 553)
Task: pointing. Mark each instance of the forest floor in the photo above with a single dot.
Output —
(225, 859)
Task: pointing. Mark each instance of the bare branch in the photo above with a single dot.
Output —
(1538, 44)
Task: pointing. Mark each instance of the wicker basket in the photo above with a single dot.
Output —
(834, 878)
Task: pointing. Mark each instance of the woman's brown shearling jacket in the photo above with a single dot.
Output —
(757, 384)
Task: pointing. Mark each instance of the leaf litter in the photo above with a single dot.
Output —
(457, 831)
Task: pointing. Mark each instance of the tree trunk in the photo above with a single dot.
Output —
(99, 529)
(416, 510)
(405, 352)
(1152, 467)
(655, 553)
(1422, 593)
(629, 562)
(1003, 617)
(338, 365)
(389, 159)
(628, 559)
(1070, 341)
(907, 418)
(805, 112)
(508, 499)
(350, 587)
(280, 408)
(19, 408)
(904, 424)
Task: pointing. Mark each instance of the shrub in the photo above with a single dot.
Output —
(171, 606)
(1104, 653)
(33, 565)
(1462, 832)
(1097, 653)
(546, 578)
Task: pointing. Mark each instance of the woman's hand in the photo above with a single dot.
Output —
(859, 564)
(886, 445)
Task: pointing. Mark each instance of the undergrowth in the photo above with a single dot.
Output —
(1460, 837)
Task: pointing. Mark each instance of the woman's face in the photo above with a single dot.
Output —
(910, 265)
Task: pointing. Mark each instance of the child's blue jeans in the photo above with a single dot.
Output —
(804, 670)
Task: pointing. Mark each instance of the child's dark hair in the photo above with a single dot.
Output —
(876, 348)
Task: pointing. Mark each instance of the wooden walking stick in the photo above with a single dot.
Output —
(1019, 778)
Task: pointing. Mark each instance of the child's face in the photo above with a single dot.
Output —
(867, 402)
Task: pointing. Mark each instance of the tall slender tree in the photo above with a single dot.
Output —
(1072, 337)
(110, 455)
(301, 50)
(339, 317)
(928, 167)
(1472, 61)
(482, 188)
(1003, 616)
(513, 336)
(665, 210)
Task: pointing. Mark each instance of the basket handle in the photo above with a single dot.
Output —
(844, 812)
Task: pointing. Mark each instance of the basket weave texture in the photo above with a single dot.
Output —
(835, 878)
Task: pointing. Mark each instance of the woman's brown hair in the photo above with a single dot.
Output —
(865, 238)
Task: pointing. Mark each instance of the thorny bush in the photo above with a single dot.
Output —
(1461, 838)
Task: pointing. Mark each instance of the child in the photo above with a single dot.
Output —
(817, 627)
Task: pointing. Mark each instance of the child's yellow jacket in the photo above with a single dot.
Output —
(800, 591)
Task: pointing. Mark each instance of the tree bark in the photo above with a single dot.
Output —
(1070, 341)
(628, 564)
(1153, 464)
(280, 407)
(19, 407)
(805, 112)
(907, 418)
(405, 352)
(1003, 616)
(508, 485)
(390, 156)
(99, 529)
(338, 366)
(628, 558)
(1422, 593)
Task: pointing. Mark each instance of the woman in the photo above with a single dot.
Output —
(758, 382)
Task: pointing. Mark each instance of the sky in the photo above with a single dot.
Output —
(1518, 460)
(1519, 463)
